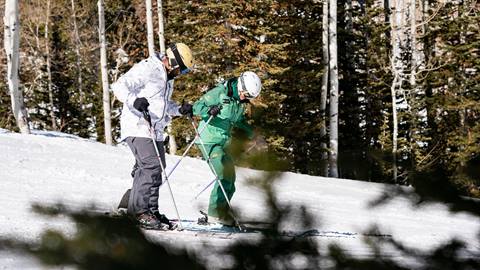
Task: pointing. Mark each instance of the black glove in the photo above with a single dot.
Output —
(186, 109)
(141, 104)
(214, 110)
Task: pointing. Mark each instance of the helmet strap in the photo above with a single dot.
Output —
(171, 75)
(173, 63)
(178, 59)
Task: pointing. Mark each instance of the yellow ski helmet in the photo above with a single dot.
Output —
(180, 55)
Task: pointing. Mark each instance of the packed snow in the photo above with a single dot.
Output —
(52, 167)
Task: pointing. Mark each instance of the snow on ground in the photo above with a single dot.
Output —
(51, 167)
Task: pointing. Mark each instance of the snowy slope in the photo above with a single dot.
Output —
(49, 167)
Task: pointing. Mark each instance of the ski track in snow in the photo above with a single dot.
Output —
(51, 167)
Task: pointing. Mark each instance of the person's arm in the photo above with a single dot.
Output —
(172, 106)
(202, 106)
(127, 87)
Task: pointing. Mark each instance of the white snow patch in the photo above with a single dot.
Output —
(50, 167)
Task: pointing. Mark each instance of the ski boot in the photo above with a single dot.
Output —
(164, 220)
(203, 220)
(150, 222)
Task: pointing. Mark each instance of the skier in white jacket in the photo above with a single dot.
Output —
(148, 85)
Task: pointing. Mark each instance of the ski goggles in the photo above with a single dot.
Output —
(177, 61)
(247, 95)
(175, 65)
(185, 71)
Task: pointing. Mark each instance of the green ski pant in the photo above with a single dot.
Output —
(224, 168)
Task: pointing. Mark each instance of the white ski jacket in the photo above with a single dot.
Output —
(147, 79)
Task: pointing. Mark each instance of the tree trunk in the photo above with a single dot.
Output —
(151, 44)
(172, 143)
(333, 74)
(417, 96)
(11, 41)
(103, 67)
(78, 56)
(398, 40)
(324, 91)
(161, 27)
(395, 83)
(49, 69)
(428, 53)
(413, 37)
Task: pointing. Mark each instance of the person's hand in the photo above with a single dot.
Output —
(214, 110)
(186, 109)
(141, 104)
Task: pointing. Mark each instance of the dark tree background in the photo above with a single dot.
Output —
(281, 41)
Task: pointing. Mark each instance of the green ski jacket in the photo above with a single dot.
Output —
(231, 115)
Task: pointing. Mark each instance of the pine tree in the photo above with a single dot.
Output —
(227, 39)
(452, 88)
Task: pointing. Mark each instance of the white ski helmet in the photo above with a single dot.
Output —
(250, 83)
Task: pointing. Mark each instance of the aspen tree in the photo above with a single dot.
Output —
(78, 59)
(103, 67)
(11, 24)
(333, 74)
(151, 44)
(324, 90)
(49, 69)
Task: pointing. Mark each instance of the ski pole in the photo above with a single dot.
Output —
(216, 178)
(205, 188)
(208, 160)
(189, 146)
(213, 181)
(147, 117)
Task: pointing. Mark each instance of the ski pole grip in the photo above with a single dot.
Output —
(146, 115)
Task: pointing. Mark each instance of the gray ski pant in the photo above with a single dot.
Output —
(147, 177)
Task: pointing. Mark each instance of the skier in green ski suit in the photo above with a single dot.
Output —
(226, 103)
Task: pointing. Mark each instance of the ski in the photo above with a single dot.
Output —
(207, 228)
(248, 228)
(217, 230)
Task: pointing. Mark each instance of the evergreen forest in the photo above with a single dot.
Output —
(408, 76)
